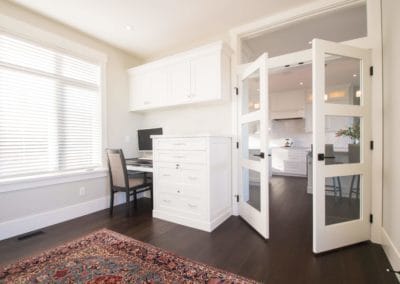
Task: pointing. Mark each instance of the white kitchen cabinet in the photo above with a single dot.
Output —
(192, 180)
(289, 161)
(199, 75)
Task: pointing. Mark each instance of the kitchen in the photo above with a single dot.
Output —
(290, 132)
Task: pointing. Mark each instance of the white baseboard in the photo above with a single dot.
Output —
(220, 219)
(27, 224)
(190, 222)
(391, 251)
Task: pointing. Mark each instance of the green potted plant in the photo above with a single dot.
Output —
(353, 132)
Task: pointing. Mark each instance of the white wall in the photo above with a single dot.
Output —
(194, 119)
(120, 123)
(391, 177)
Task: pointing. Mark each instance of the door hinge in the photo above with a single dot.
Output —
(371, 145)
(371, 70)
(237, 197)
(237, 145)
(371, 218)
(236, 91)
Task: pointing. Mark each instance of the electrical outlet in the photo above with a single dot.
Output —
(82, 191)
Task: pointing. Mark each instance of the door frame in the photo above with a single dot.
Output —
(373, 41)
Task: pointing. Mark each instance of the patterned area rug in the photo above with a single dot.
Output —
(108, 257)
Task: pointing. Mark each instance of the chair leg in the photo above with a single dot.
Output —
(351, 187)
(340, 187)
(135, 200)
(151, 196)
(334, 188)
(128, 204)
(112, 202)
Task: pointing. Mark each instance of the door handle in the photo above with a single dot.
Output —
(321, 157)
(261, 155)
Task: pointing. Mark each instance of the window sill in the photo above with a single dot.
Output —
(50, 179)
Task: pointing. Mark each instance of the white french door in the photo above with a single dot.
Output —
(253, 147)
(341, 145)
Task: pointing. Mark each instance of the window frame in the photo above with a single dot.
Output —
(31, 34)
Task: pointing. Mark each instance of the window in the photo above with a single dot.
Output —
(50, 111)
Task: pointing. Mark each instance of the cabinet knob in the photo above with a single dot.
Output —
(177, 166)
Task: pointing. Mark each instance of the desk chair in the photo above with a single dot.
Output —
(120, 181)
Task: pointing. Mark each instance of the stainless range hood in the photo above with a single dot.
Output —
(289, 114)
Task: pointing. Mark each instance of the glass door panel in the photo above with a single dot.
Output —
(253, 128)
(341, 135)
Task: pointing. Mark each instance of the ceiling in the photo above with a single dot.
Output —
(338, 71)
(156, 26)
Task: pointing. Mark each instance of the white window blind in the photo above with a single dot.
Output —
(50, 116)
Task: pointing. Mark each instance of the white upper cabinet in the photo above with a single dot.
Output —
(205, 73)
(179, 83)
(149, 88)
(199, 75)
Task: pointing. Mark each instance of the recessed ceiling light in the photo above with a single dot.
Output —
(301, 83)
(354, 75)
(128, 27)
(310, 42)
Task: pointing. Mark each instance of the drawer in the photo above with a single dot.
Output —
(181, 190)
(192, 191)
(193, 205)
(168, 201)
(169, 175)
(193, 175)
(198, 157)
(181, 144)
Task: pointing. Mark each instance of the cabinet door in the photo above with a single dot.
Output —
(205, 74)
(135, 91)
(179, 81)
(148, 89)
(154, 88)
(159, 87)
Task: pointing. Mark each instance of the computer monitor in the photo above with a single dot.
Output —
(145, 142)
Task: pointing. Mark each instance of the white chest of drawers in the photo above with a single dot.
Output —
(192, 180)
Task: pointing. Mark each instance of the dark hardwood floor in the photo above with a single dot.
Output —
(285, 258)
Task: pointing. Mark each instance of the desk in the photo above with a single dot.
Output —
(137, 166)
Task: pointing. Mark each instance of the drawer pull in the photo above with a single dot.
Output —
(179, 144)
(166, 175)
(178, 191)
(177, 166)
(179, 157)
(192, 205)
(167, 200)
